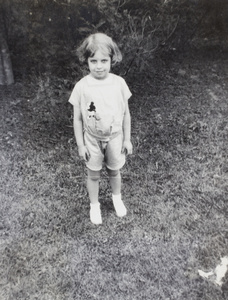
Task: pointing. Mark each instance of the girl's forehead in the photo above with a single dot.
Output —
(101, 54)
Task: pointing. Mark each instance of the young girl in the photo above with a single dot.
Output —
(102, 122)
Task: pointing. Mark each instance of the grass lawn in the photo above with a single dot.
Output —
(174, 186)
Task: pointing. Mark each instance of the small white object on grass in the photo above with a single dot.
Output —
(219, 272)
(204, 274)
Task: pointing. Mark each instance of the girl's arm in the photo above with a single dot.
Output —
(127, 145)
(78, 132)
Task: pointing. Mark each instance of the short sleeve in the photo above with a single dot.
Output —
(125, 90)
(75, 95)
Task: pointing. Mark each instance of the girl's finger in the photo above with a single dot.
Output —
(87, 155)
(124, 150)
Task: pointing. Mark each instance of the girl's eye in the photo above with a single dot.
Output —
(94, 61)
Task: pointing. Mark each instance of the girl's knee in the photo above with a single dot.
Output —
(93, 175)
(113, 173)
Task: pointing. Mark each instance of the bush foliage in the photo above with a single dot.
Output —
(49, 30)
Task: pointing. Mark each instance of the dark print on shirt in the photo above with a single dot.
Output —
(92, 107)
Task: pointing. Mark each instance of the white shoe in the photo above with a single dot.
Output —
(120, 208)
(95, 213)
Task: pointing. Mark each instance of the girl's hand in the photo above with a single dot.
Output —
(84, 153)
(127, 147)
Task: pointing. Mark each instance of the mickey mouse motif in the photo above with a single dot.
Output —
(92, 111)
(92, 107)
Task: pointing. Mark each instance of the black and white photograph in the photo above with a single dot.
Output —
(114, 150)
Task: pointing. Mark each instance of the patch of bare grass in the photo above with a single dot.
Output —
(175, 188)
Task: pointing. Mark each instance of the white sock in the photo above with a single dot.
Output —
(95, 213)
(119, 206)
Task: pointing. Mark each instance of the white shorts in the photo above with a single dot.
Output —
(104, 152)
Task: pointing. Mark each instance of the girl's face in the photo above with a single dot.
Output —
(99, 65)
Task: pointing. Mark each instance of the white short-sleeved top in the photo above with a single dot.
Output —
(102, 104)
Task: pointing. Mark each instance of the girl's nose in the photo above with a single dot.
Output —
(99, 65)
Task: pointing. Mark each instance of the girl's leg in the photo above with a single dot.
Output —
(93, 190)
(93, 185)
(115, 182)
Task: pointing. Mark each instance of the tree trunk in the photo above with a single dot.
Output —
(6, 72)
